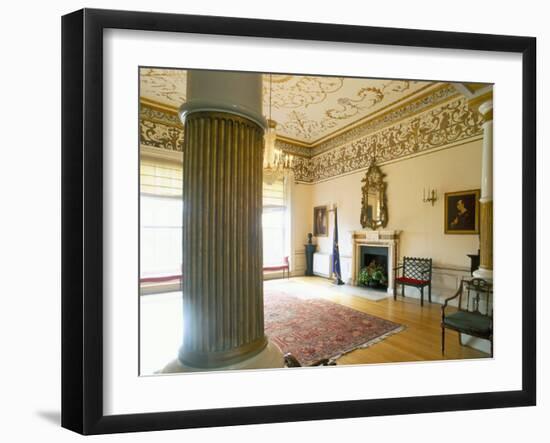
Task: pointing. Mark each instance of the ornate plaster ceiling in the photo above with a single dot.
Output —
(307, 109)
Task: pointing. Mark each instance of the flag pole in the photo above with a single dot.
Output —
(336, 269)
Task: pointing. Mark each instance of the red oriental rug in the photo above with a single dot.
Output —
(314, 328)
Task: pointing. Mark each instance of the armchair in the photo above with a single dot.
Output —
(475, 312)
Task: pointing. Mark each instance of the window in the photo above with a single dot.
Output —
(161, 221)
(275, 223)
(160, 218)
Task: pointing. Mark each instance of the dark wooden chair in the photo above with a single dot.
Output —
(292, 362)
(415, 272)
(474, 315)
(282, 267)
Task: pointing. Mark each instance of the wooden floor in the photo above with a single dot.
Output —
(421, 339)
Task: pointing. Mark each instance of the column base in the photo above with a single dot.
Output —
(485, 274)
(269, 358)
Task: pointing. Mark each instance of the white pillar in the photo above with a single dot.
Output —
(485, 270)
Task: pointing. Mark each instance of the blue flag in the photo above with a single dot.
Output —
(336, 253)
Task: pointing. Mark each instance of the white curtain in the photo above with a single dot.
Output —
(160, 218)
(275, 221)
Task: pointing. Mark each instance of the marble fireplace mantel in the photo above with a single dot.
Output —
(386, 239)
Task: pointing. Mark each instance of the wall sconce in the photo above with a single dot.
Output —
(432, 196)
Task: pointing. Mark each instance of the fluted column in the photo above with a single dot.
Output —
(485, 271)
(222, 239)
(223, 312)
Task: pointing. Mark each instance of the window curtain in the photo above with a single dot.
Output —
(275, 222)
(161, 210)
(161, 218)
(160, 178)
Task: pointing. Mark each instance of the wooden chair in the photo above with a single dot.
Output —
(475, 312)
(282, 267)
(415, 272)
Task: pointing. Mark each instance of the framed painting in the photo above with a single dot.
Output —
(320, 221)
(169, 224)
(462, 212)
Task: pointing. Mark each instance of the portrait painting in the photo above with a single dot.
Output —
(320, 221)
(462, 212)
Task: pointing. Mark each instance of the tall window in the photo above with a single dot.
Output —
(161, 218)
(275, 223)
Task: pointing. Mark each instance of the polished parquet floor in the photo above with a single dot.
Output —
(161, 325)
(420, 341)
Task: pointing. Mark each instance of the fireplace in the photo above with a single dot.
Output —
(380, 246)
(375, 257)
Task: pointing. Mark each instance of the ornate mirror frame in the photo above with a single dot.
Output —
(374, 179)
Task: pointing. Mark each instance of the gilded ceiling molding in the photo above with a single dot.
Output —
(160, 135)
(291, 148)
(428, 122)
(415, 106)
(150, 112)
(306, 91)
(301, 167)
(162, 129)
(301, 126)
(447, 124)
(308, 108)
(365, 98)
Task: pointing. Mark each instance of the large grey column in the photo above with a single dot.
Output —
(223, 317)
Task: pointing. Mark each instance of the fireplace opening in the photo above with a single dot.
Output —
(374, 267)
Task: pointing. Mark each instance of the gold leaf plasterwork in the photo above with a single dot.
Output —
(163, 117)
(299, 91)
(159, 135)
(348, 107)
(445, 125)
(439, 95)
(292, 149)
(164, 85)
(366, 98)
(299, 125)
(312, 95)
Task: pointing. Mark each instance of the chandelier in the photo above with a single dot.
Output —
(276, 162)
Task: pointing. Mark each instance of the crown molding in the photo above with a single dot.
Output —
(417, 102)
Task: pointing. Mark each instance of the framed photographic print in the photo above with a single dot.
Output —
(462, 212)
(194, 151)
(320, 221)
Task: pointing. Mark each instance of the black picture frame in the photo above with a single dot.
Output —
(82, 215)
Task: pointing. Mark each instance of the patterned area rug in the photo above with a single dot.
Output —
(314, 328)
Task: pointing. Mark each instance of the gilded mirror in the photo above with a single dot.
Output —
(374, 211)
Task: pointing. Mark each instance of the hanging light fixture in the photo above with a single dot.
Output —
(275, 160)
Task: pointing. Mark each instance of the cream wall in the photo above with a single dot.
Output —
(447, 170)
(302, 221)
